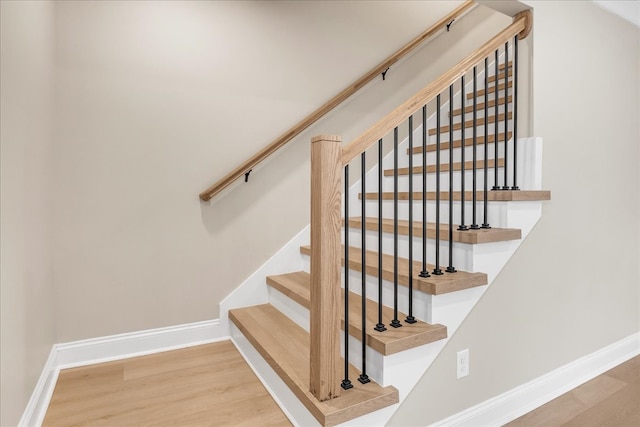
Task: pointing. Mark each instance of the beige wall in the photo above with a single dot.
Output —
(573, 287)
(26, 293)
(156, 100)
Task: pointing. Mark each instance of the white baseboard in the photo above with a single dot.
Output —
(36, 409)
(514, 403)
(110, 348)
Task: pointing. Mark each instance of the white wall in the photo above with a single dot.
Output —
(26, 293)
(573, 287)
(157, 100)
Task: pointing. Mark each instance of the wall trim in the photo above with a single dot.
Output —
(518, 401)
(114, 347)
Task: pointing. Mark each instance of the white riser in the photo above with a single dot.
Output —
(403, 181)
(462, 252)
(444, 309)
(457, 155)
(496, 211)
(429, 308)
(468, 133)
(529, 174)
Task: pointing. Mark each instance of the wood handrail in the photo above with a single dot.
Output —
(401, 113)
(283, 139)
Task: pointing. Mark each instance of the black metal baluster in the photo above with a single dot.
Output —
(474, 206)
(346, 383)
(506, 113)
(485, 223)
(436, 269)
(395, 322)
(450, 267)
(410, 318)
(380, 326)
(496, 128)
(515, 113)
(363, 378)
(463, 147)
(424, 272)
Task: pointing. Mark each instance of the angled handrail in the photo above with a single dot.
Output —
(521, 25)
(283, 139)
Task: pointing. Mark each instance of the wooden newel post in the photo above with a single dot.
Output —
(326, 223)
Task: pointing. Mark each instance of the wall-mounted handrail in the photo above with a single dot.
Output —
(283, 139)
(520, 25)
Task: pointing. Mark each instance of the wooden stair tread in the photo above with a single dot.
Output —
(492, 89)
(492, 196)
(470, 124)
(285, 346)
(480, 106)
(457, 143)
(297, 286)
(492, 78)
(434, 285)
(444, 167)
(474, 237)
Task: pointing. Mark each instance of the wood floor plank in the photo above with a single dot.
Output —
(393, 340)
(434, 285)
(620, 409)
(214, 386)
(610, 399)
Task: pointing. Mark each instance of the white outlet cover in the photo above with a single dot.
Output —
(462, 363)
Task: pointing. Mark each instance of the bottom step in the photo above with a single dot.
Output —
(285, 346)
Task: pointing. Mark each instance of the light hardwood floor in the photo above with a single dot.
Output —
(212, 385)
(207, 385)
(611, 399)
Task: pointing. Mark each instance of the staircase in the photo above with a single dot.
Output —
(429, 235)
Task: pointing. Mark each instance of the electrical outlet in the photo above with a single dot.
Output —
(463, 363)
